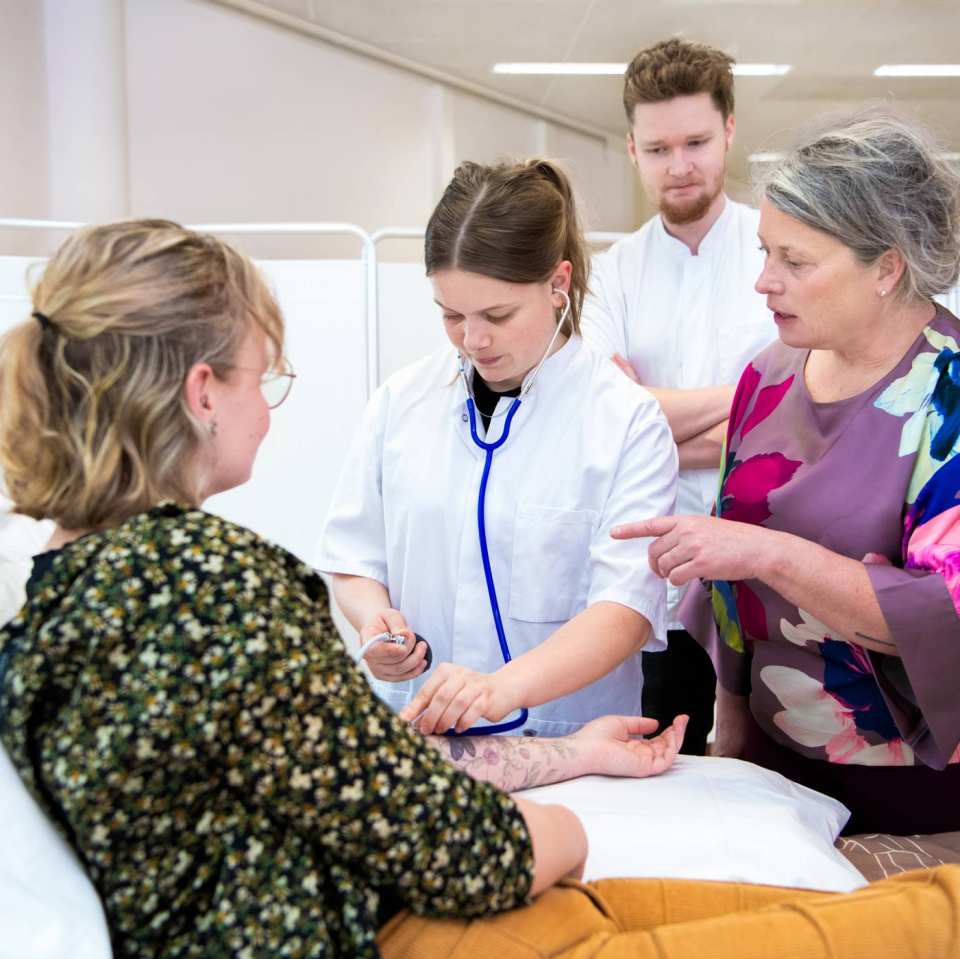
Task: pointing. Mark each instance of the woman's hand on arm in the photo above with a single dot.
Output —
(366, 604)
(833, 588)
(581, 651)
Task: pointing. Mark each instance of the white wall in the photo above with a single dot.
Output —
(187, 109)
(23, 110)
(23, 115)
(259, 122)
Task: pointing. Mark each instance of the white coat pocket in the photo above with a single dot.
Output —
(551, 558)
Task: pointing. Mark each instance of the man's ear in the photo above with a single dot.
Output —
(729, 129)
(631, 147)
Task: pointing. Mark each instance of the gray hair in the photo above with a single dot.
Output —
(876, 181)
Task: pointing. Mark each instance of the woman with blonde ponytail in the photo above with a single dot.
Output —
(475, 508)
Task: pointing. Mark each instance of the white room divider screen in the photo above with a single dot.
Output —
(325, 304)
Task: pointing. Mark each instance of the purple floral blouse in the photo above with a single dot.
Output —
(877, 473)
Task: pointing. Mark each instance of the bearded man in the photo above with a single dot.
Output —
(674, 306)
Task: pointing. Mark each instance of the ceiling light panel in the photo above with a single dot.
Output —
(918, 70)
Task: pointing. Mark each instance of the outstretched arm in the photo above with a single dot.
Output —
(604, 747)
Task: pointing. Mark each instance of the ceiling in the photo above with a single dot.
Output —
(833, 48)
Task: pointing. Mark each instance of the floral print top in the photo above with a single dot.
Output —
(176, 697)
(874, 477)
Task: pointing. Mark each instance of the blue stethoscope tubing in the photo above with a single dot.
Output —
(489, 449)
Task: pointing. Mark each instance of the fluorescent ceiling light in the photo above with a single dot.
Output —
(563, 69)
(617, 69)
(918, 70)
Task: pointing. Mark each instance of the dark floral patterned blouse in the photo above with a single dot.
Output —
(176, 697)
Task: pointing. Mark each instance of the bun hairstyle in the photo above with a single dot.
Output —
(512, 221)
(94, 426)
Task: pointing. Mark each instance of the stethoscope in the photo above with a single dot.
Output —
(488, 449)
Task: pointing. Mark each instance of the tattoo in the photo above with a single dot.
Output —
(510, 762)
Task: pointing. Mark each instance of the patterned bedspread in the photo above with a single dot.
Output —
(878, 855)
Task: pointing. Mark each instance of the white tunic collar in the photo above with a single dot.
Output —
(709, 245)
(553, 371)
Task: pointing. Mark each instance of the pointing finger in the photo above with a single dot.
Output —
(654, 526)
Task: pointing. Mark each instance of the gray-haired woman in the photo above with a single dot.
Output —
(835, 554)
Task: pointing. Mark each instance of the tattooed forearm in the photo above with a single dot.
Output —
(511, 762)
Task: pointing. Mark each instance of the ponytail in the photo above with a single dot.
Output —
(515, 222)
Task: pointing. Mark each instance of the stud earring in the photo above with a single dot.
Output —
(212, 427)
(882, 292)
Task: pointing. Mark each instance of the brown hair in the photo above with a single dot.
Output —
(94, 425)
(513, 222)
(677, 68)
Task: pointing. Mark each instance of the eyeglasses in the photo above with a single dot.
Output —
(275, 384)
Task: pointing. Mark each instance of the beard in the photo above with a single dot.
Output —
(691, 209)
(687, 211)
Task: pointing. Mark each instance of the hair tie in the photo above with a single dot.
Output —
(42, 319)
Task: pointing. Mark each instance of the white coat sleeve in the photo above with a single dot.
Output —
(645, 485)
(603, 318)
(353, 541)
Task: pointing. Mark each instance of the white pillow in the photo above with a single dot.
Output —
(709, 818)
(49, 909)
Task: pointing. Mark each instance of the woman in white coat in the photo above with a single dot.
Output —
(499, 553)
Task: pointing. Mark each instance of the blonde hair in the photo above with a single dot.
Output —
(94, 423)
(513, 221)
